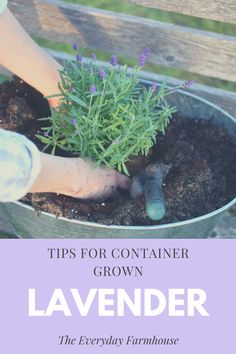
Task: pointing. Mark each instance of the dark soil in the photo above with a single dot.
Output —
(201, 179)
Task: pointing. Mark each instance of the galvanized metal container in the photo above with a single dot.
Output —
(26, 224)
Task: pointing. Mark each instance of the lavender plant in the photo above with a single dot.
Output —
(105, 113)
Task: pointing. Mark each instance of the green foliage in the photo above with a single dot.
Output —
(118, 120)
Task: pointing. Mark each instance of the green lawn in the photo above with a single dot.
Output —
(123, 6)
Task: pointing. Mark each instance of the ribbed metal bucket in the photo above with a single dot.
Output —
(25, 223)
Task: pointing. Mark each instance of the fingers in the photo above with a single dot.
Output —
(123, 181)
(117, 181)
(54, 102)
(94, 182)
(101, 195)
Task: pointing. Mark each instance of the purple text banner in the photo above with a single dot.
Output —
(90, 296)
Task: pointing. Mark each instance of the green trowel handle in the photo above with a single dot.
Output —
(154, 197)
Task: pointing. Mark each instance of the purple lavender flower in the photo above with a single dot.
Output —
(93, 56)
(79, 58)
(92, 89)
(147, 52)
(114, 60)
(73, 121)
(188, 83)
(141, 60)
(46, 134)
(154, 87)
(102, 74)
(143, 57)
(75, 47)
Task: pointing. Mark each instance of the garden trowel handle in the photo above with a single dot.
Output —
(154, 198)
(149, 182)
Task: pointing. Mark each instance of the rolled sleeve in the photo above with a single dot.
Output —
(3, 5)
(20, 165)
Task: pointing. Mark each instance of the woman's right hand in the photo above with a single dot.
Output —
(78, 178)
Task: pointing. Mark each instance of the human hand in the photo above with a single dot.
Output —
(87, 181)
(54, 102)
(78, 178)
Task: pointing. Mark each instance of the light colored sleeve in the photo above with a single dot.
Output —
(20, 165)
(3, 5)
